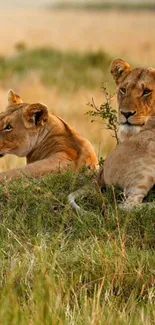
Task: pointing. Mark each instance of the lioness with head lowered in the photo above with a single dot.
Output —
(48, 143)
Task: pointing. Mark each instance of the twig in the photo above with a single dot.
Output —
(105, 112)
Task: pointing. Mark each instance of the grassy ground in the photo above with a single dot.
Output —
(60, 268)
(103, 5)
(67, 71)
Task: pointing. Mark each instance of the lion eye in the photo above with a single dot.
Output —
(8, 128)
(146, 92)
(123, 91)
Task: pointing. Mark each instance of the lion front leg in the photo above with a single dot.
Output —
(133, 201)
(56, 163)
(134, 196)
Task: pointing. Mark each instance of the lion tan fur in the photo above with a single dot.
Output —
(135, 96)
(131, 166)
(47, 141)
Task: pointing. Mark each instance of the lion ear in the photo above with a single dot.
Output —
(13, 98)
(119, 70)
(151, 70)
(35, 115)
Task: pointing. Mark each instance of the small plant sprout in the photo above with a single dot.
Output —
(105, 112)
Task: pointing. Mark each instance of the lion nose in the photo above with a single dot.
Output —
(127, 114)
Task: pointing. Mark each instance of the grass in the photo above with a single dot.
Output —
(60, 268)
(103, 5)
(65, 70)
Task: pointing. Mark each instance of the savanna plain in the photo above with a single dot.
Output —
(58, 267)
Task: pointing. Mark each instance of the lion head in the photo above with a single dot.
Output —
(19, 125)
(135, 95)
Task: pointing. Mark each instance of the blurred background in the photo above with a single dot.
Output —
(59, 53)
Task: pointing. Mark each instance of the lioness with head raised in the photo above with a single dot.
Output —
(135, 96)
(48, 143)
(132, 163)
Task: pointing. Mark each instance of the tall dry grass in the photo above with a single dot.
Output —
(127, 34)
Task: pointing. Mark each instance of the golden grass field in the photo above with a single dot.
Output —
(129, 35)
